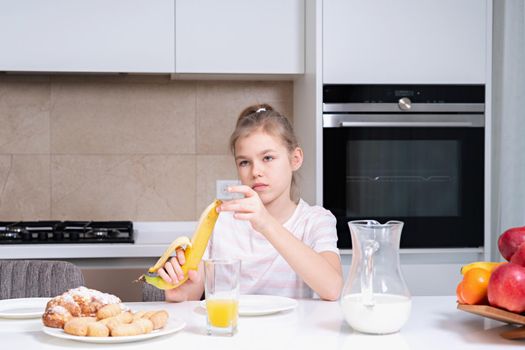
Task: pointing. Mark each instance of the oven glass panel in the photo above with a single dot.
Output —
(430, 178)
(402, 178)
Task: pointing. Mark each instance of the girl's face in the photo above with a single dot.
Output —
(264, 163)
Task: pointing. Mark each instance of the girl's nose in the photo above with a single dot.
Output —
(256, 170)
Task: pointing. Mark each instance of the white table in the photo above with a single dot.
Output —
(434, 324)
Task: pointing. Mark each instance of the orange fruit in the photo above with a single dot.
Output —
(459, 293)
(473, 289)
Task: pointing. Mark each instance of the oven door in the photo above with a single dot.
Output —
(431, 178)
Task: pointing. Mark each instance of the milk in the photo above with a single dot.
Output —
(388, 315)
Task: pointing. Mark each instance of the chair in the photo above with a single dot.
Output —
(150, 293)
(37, 278)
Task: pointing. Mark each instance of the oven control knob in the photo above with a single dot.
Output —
(404, 104)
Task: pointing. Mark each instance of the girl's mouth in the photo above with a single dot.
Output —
(259, 187)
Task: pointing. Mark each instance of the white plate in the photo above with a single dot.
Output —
(23, 307)
(171, 327)
(258, 305)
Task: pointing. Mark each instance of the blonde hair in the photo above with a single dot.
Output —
(264, 117)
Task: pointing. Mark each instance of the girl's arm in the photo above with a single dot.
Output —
(321, 271)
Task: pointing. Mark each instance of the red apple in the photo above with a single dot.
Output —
(518, 257)
(510, 240)
(507, 287)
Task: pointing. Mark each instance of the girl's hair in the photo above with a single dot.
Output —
(264, 117)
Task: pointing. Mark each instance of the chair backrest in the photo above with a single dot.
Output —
(150, 293)
(37, 278)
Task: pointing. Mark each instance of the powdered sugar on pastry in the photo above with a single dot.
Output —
(92, 295)
(78, 302)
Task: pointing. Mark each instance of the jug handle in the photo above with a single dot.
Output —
(371, 247)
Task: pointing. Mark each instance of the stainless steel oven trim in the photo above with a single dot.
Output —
(403, 120)
(415, 107)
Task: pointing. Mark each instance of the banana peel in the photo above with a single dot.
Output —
(485, 265)
(193, 249)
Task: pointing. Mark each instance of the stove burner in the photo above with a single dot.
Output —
(74, 236)
(66, 232)
(9, 235)
(14, 232)
(102, 233)
(58, 236)
(17, 229)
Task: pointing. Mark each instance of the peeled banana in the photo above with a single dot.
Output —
(485, 265)
(193, 251)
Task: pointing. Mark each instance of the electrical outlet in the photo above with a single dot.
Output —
(222, 190)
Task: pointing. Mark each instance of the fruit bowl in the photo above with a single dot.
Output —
(494, 313)
(499, 315)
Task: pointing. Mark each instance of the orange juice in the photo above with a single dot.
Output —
(222, 312)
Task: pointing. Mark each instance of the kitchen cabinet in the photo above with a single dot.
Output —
(87, 36)
(238, 36)
(405, 41)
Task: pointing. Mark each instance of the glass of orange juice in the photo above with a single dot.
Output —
(221, 288)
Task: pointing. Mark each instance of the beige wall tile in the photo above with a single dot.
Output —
(119, 147)
(210, 169)
(24, 78)
(140, 188)
(98, 118)
(24, 187)
(219, 104)
(24, 117)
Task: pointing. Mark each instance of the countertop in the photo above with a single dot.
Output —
(434, 323)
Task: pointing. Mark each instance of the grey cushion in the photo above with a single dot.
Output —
(37, 278)
(150, 293)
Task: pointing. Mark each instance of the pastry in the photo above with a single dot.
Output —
(78, 302)
(122, 318)
(88, 312)
(109, 310)
(141, 326)
(145, 325)
(148, 314)
(159, 319)
(78, 325)
(56, 316)
(97, 329)
(139, 314)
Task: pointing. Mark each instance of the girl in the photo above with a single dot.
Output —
(287, 247)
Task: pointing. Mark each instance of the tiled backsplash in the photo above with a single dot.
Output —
(143, 148)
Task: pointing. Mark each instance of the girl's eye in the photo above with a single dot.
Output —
(243, 163)
(268, 158)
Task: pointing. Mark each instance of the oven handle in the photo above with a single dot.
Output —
(413, 120)
(406, 124)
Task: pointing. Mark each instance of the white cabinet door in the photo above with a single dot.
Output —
(87, 35)
(404, 41)
(239, 36)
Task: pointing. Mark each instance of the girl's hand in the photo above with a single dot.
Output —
(249, 208)
(172, 273)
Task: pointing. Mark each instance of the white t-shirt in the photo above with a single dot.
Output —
(263, 270)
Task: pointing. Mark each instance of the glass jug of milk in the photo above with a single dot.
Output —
(375, 298)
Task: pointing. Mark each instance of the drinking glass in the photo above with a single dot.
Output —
(221, 288)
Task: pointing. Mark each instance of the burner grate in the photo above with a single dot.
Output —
(41, 232)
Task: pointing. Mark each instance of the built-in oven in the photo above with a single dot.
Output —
(413, 153)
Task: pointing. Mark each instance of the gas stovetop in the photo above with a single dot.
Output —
(42, 232)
